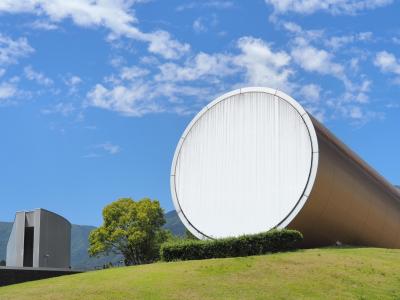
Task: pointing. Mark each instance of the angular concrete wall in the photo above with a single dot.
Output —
(51, 246)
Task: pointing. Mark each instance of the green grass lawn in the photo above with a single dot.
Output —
(331, 273)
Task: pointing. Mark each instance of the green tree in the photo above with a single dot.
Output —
(189, 235)
(131, 228)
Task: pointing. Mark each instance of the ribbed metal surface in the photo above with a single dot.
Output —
(350, 202)
(253, 160)
(243, 164)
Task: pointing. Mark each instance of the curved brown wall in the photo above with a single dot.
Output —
(350, 202)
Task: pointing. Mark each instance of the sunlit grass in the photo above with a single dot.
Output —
(331, 273)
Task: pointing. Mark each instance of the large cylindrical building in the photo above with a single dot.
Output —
(254, 159)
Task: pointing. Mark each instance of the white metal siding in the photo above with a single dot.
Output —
(242, 165)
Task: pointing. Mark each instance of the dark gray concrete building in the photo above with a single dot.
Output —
(39, 239)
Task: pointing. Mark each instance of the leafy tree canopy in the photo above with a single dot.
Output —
(131, 228)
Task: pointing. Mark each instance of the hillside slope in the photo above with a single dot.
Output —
(79, 242)
(335, 273)
(174, 224)
(5, 229)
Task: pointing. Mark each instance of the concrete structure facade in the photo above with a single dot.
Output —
(39, 239)
(254, 159)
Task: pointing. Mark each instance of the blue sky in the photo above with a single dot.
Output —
(95, 94)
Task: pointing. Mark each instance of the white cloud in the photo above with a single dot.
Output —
(38, 77)
(218, 4)
(117, 61)
(117, 16)
(11, 50)
(311, 92)
(72, 82)
(43, 25)
(320, 61)
(306, 35)
(92, 155)
(65, 109)
(149, 60)
(109, 148)
(387, 62)
(129, 73)
(293, 27)
(198, 26)
(132, 93)
(138, 97)
(307, 51)
(7, 90)
(355, 63)
(134, 99)
(396, 40)
(100, 149)
(111, 14)
(180, 87)
(334, 7)
(135, 91)
(317, 60)
(320, 36)
(262, 65)
(313, 52)
(310, 97)
(392, 105)
(204, 23)
(203, 65)
(359, 115)
(365, 36)
(337, 42)
(357, 92)
(356, 112)
(160, 42)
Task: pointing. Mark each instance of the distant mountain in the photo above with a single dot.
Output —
(80, 258)
(174, 224)
(79, 242)
(5, 230)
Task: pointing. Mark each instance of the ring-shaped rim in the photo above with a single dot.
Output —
(314, 156)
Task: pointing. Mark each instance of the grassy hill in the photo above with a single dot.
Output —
(79, 242)
(331, 273)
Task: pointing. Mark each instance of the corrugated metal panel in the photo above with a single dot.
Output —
(243, 164)
(248, 161)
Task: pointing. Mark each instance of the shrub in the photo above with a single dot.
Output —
(267, 242)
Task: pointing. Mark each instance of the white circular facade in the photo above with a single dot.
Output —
(245, 164)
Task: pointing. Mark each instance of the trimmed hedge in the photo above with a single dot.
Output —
(246, 245)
